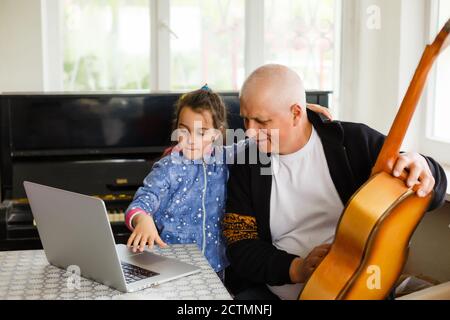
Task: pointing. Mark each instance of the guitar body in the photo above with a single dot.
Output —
(370, 245)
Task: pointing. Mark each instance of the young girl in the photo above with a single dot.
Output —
(183, 198)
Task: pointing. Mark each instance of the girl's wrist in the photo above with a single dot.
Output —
(137, 218)
(131, 217)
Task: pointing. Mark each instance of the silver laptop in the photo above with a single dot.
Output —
(75, 231)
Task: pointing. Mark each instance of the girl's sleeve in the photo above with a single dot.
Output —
(152, 194)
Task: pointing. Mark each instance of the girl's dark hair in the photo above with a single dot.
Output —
(203, 100)
(200, 100)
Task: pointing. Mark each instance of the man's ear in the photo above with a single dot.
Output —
(297, 114)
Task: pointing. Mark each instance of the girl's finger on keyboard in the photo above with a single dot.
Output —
(143, 242)
(151, 241)
(130, 239)
(159, 241)
(136, 242)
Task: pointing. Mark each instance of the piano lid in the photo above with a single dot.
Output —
(71, 140)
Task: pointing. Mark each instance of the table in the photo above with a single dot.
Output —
(28, 275)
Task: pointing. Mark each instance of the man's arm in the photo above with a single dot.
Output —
(440, 186)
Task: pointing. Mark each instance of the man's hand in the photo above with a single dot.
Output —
(419, 172)
(301, 269)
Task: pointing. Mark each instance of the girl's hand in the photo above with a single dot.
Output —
(144, 232)
(319, 109)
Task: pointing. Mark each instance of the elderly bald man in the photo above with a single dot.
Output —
(279, 226)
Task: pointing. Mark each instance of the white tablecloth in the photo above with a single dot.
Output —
(28, 275)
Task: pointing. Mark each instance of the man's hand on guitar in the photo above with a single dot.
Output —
(302, 268)
(418, 172)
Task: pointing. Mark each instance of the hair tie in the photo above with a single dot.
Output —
(206, 88)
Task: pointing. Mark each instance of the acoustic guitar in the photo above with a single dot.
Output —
(372, 237)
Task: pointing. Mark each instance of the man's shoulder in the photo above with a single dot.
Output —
(354, 130)
(355, 126)
(340, 131)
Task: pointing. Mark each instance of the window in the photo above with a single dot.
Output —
(106, 44)
(304, 39)
(207, 35)
(182, 44)
(436, 138)
(441, 118)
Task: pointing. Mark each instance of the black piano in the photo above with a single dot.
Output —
(101, 145)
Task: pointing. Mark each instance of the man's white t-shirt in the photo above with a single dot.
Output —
(304, 205)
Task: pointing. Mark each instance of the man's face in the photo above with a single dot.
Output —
(270, 127)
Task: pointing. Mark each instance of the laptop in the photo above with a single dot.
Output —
(75, 231)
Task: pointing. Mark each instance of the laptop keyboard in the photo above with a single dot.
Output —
(134, 273)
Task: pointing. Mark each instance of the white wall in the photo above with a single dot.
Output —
(378, 64)
(21, 54)
(30, 52)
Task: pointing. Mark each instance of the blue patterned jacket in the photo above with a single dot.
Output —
(187, 201)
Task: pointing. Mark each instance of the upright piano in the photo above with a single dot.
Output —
(96, 144)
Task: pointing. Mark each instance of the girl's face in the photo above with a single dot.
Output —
(196, 133)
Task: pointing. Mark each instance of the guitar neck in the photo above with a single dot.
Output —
(391, 147)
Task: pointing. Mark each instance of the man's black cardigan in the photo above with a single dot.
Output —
(351, 151)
